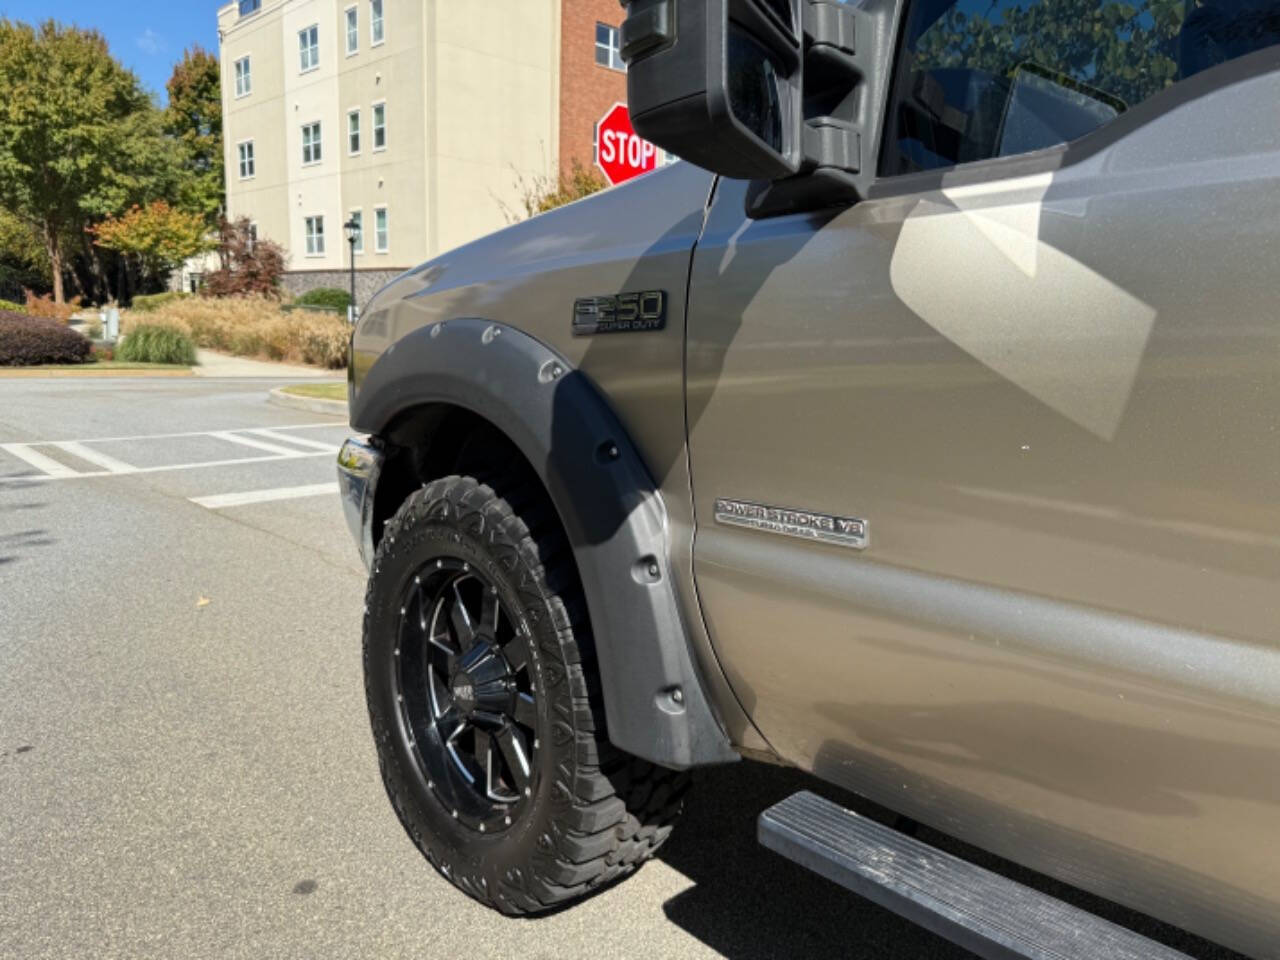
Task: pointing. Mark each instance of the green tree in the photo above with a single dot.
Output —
(159, 236)
(79, 137)
(194, 119)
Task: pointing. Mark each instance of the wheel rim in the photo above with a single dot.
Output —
(464, 687)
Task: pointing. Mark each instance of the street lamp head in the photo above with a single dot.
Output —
(353, 230)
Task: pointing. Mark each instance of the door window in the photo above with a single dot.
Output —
(993, 78)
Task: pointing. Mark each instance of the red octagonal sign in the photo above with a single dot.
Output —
(619, 152)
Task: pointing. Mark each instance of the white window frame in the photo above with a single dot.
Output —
(241, 158)
(243, 78)
(359, 247)
(614, 48)
(359, 132)
(352, 30)
(316, 144)
(381, 239)
(377, 23)
(314, 240)
(374, 128)
(308, 53)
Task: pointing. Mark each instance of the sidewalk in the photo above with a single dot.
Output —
(220, 365)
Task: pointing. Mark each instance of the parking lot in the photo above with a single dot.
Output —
(185, 765)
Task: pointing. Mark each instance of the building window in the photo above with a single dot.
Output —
(244, 78)
(249, 6)
(353, 132)
(353, 30)
(253, 236)
(381, 231)
(247, 169)
(377, 31)
(608, 48)
(311, 143)
(379, 126)
(315, 236)
(309, 47)
(357, 217)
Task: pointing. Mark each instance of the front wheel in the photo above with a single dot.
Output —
(482, 691)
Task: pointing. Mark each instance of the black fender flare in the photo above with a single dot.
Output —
(613, 514)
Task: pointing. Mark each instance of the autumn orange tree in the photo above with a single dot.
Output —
(158, 237)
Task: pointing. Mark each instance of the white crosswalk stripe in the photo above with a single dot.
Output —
(256, 444)
(96, 457)
(46, 465)
(223, 500)
(300, 441)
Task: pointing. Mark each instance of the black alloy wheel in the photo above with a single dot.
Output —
(465, 689)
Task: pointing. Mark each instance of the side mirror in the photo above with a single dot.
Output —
(788, 93)
(718, 82)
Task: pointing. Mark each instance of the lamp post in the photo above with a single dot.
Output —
(353, 232)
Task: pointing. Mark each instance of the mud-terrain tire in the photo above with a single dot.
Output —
(588, 813)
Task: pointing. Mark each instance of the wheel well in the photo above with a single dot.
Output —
(436, 440)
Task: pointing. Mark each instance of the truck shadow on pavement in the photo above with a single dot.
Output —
(748, 903)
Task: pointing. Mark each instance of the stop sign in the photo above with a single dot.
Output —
(619, 152)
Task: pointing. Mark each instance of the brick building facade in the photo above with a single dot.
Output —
(591, 75)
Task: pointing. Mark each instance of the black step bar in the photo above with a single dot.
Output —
(981, 911)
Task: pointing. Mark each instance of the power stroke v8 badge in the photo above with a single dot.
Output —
(620, 313)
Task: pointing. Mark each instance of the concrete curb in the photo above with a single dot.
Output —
(334, 408)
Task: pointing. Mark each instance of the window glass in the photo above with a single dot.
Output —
(993, 78)
(311, 143)
(309, 48)
(353, 131)
(608, 47)
(382, 235)
(246, 160)
(315, 236)
(249, 6)
(353, 29)
(379, 126)
(244, 79)
(377, 30)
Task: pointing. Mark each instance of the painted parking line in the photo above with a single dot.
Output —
(300, 441)
(257, 444)
(223, 500)
(72, 475)
(46, 465)
(96, 457)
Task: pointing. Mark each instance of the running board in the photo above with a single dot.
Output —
(981, 911)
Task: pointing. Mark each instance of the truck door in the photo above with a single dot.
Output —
(985, 465)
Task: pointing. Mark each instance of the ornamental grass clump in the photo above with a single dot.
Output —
(255, 327)
(157, 343)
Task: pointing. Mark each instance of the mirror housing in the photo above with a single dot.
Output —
(786, 93)
(718, 82)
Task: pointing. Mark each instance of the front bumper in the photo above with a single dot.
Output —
(359, 466)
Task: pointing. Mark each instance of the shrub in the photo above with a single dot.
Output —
(149, 302)
(250, 267)
(103, 353)
(93, 330)
(254, 327)
(29, 341)
(336, 300)
(157, 343)
(8, 306)
(46, 308)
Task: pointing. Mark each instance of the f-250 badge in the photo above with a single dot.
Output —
(620, 313)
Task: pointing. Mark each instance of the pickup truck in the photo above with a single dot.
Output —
(921, 429)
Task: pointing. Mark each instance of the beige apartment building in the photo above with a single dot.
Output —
(416, 118)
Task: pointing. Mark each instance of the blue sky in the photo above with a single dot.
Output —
(147, 36)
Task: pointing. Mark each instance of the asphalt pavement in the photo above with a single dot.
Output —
(185, 763)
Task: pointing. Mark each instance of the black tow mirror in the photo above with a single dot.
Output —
(788, 93)
(718, 82)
